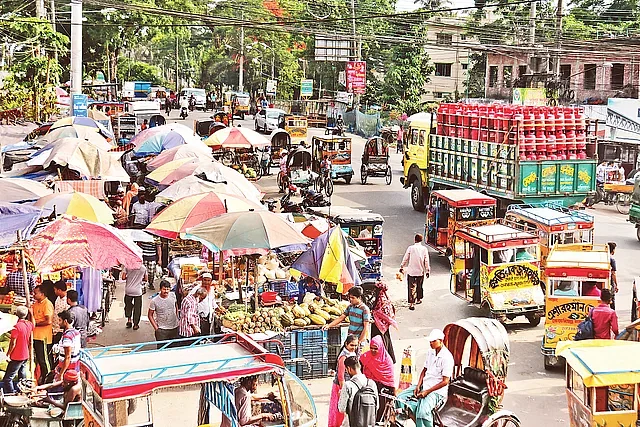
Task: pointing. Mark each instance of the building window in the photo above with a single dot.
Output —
(522, 70)
(565, 72)
(617, 76)
(507, 72)
(463, 37)
(444, 39)
(465, 66)
(493, 75)
(443, 70)
(438, 95)
(589, 76)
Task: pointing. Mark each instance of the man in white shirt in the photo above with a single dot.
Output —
(433, 386)
(416, 261)
(208, 307)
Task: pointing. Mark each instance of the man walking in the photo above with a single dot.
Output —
(358, 397)
(43, 333)
(208, 307)
(605, 319)
(614, 274)
(139, 215)
(134, 278)
(163, 314)
(80, 316)
(189, 323)
(150, 258)
(416, 261)
(18, 351)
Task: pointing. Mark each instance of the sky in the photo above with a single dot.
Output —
(409, 5)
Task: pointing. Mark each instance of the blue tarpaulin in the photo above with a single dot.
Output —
(15, 217)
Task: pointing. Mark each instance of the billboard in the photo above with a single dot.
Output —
(529, 96)
(333, 49)
(272, 87)
(79, 104)
(356, 74)
(306, 87)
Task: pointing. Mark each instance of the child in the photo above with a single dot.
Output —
(359, 316)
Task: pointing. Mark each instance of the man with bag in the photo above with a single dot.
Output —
(358, 397)
(605, 319)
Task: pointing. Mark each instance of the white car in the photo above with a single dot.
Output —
(200, 96)
(268, 119)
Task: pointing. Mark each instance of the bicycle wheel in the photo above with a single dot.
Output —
(106, 308)
(623, 203)
(257, 168)
(328, 187)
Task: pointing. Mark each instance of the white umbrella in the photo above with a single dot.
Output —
(194, 185)
(22, 189)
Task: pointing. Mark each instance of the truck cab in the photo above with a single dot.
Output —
(415, 161)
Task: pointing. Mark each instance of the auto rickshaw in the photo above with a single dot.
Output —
(338, 150)
(555, 225)
(450, 210)
(186, 382)
(480, 349)
(363, 226)
(602, 378)
(280, 140)
(375, 160)
(296, 127)
(495, 267)
(571, 273)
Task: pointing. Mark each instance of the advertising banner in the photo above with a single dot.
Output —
(306, 87)
(272, 86)
(356, 74)
(80, 104)
(529, 96)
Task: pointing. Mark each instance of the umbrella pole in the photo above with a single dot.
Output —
(255, 282)
(233, 273)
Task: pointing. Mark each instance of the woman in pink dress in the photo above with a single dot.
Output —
(348, 349)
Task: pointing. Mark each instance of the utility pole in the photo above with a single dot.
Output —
(177, 72)
(41, 13)
(532, 23)
(241, 68)
(76, 47)
(558, 38)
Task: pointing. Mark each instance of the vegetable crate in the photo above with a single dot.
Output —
(312, 346)
(284, 288)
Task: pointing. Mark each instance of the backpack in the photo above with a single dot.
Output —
(364, 406)
(585, 329)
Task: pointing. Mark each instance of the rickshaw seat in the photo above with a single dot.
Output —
(472, 383)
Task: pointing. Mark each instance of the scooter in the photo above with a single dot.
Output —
(184, 112)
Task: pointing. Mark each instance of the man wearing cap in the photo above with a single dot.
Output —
(189, 321)
(433, 385)
(18, 351)
(208, 307)
(71, 391)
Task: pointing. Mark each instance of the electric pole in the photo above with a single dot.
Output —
(241, 68)
(177, 72)
(558, 38)
(532, 24)
(76, 47)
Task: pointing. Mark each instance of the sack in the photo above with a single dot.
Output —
(585, 329)
(364, 406)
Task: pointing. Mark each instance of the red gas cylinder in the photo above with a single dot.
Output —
(582, 154)
(551, 146)
(581, 139)
(550, 122)
(572, 155)
(531, 156)
(474, 120)
(581, 123)
(570, 134)
(561, 140)
(541, 141)
(527, 121)
(475, 133)
(460, 131)
(569, 119)
(484, 135)
(529, 141)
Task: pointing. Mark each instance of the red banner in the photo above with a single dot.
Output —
(356, 77)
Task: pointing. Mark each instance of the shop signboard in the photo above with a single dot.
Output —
(356, 74)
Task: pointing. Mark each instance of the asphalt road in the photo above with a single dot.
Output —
(535, 395)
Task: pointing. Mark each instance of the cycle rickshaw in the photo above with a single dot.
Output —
(375, 160)
(280, 140)
(480, 349)
(299, 171)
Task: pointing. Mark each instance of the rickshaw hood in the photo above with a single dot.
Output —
(591, 359)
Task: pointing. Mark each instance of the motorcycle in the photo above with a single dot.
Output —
(192, 104)
(183, 113)
(314, 198)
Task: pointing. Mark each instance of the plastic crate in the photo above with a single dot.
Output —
(288, 348)
(314, 354)
(284, 288)
(312, 370)
(337, 336)
(310, 338)
(332, 356)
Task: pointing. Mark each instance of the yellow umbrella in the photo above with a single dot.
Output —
(79, 205)
(164, 173)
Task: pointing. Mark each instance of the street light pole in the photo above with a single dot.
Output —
(76, 47)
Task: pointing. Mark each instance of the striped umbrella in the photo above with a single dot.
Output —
(173, 171)
(193, 210)
(82, 121)
(237, 138)
(79, 205)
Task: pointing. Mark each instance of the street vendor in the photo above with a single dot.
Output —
(307, 285)
(243, 398)
(208, 307)
(71, 390)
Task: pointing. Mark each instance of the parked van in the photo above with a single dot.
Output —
(200, 96)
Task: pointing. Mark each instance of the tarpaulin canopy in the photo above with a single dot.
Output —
(22, 189)
(15, 217)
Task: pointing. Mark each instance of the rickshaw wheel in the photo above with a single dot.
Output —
(389, 176)
(329, 187)
(638, 233)
(363, 174)
(533, 319)
(505, 420)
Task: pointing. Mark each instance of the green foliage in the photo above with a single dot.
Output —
(129, 70)
(474, 86)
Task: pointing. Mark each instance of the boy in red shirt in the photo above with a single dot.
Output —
(18, 351)
(605, 320)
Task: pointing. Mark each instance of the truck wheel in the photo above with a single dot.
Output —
(417, 198)
(533, 319)
(638, 233)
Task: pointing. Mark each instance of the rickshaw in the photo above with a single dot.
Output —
(296, 127)
(449, 210)
(620, 194)
(280, 140)
(495, 268)
(602, 382)
(480, 349)
(207, 128)
(375, 160)
(186, 382)
(634, 210)
(299, 171)
(555, 225)
(223, 117)
(338, 150)
(571, 271)
(363, 226)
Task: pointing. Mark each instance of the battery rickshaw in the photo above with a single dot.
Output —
(450, 210)
(602, 382)
(338, 150)
(375, 160)
(296, 127)
(480, 349)
(571, 274)
(140, 384)
(363, 226)
(496, 268)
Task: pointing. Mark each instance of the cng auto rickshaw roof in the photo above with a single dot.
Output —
(490, 347)
(574, 257)
(603, 363)
(136, 369)
(465, 197)
(550, 216)
(345, 213)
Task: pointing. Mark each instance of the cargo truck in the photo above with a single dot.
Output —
(513, 153)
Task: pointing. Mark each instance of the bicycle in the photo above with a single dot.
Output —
(108, 295)
(324, 183)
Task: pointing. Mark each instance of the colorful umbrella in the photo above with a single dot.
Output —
(89, 160)
(79, 205)
(82, 132)
(237, 138)
(246, 233)
(193, 185)
(180, 152)
(68, 242)
(217, 172)
(329, 259)
(22, 189)
(82, 121)
(193, 210)
(173, 171)
(159, 138)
